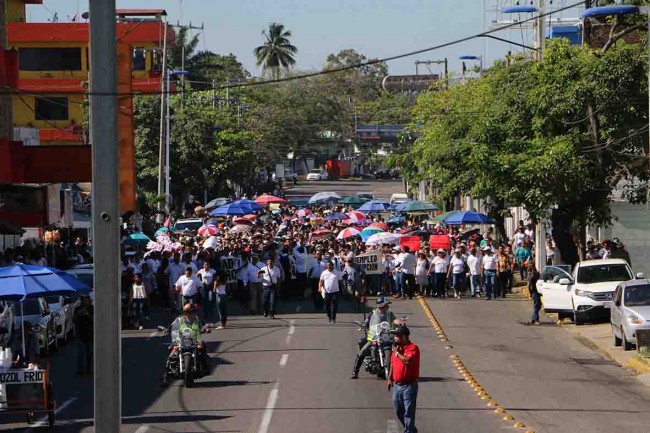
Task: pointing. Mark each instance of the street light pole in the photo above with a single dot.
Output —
(167, 149)
(106, 233)
(161, 148)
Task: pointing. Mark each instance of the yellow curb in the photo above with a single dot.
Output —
(519, 425)
(638, 365)
(499, 410)
(486, 397)
(453, 356)
(492, 403)
(508, 418)
(529, 431)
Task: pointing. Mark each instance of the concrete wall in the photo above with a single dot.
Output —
(632, 227)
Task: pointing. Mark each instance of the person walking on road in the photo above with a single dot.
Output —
(489, 272)
(403, 377)
(222, 299)
(270, 276)
(407, 263)
(533, 277)
(328, 286)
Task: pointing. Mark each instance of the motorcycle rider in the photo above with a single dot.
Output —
(379, 314)
(189, 320)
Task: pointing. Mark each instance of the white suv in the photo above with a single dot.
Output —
(581, 295)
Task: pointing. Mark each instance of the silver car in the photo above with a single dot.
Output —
(630, 309)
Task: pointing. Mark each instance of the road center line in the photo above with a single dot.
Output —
(288, 339)
(142, 429)
(268, 412)
(292, 327)
(284, 359)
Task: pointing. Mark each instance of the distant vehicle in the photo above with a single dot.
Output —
(63, 308)
(188, 224)
(6, 324)
(386, 174)
(36, 311)
(86, 274)
(398, 198)
(366, 196)
(581, 295)
(317, 174)
(630, 312)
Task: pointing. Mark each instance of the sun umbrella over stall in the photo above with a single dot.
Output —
(417, 206)
(374, 206)
(267, 199)
(348, 233)
(468, 217)
(443, 216)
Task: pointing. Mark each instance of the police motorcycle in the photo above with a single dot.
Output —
(186, 357)
(378, 360)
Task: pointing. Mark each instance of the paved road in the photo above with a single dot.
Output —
(291, 375)
(382, 189)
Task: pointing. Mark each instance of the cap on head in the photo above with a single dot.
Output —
(401, 330)
(382, 302)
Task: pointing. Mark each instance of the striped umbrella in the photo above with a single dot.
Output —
(242, 221)
(303, 213)
(321, 233)
(208, 230)
(356, 215)
(348, 233)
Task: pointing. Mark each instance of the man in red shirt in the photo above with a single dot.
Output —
(403, 377)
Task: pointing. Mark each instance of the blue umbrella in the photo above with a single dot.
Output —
(18, 282)
(230, 209)
(248, 204)
(399, 206)
(396, 220)
(374, 206)
(336, 216)
(468, 217)
(137, 239)
(369, 231)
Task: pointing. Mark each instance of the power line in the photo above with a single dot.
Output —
(356, 65)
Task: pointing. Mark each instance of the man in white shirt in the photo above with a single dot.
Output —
(474, 263)
(153, 264)
(188, 286)
(206, 276)
(301, 262)
(254, 285)
(328, 286)
(271, 278)
(489, 271)
(174, 271)
(318, 265)
(407, 262)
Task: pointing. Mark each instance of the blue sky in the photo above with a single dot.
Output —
(376, 28)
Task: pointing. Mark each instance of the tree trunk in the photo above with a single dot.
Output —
(563, 236)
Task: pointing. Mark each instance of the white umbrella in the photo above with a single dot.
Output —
(384, 238)
(211, 242)
(240, 229)
(325, 196)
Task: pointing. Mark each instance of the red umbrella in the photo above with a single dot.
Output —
(209, 230)
(356, 215)
(250, 217)
(348, 233)
(379, 225)
(321, 233)
(303, 213)
(267, 199)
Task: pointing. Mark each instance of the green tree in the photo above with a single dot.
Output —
(206, 67)
(277, 52)
(183, 51)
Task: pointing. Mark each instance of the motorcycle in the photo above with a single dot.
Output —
(184, 360)
(378, 361)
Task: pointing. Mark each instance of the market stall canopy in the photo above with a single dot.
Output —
(18, 282)
(441, 218)
(417, 206)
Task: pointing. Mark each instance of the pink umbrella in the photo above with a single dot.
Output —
(379, 225)
(321, 233)
(209, 230)
(303, 213)
(267, 199)
(242, 221)
(348, 233)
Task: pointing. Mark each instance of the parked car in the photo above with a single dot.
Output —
(366, 196)
(86, 274)
(630, 312)
(35, 311)
(398, 198)
(581, 294)
(6, 324)
(63, 309)
(188, 224)
(317, 174)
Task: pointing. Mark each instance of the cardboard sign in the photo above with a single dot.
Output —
(371, 262)
(21, 376)
(229, 266)
(413, 242)
(439, 241)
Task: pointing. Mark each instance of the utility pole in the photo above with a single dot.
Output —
(106, 217)
(214, 93)
(161, 143)
(227, 92)
(539, 30)
(435, 62)
(6, 114)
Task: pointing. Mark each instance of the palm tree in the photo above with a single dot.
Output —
(277, 51)
(185, 46)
